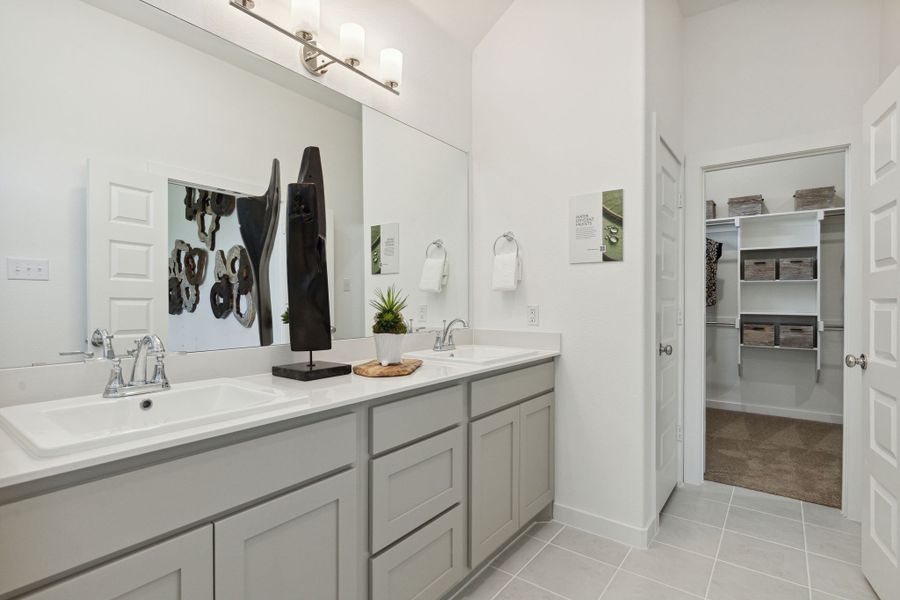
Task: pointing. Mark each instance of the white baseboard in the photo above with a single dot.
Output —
(638, 537)
(776, 411)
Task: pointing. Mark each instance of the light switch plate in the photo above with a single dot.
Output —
(533, 315)
(33, 269)
(346, 284)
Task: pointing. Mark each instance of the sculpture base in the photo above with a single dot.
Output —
(303, 371)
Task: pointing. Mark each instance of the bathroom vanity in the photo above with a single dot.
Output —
(373, 489)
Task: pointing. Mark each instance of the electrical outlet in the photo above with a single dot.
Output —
(346, 284)
(533, 315)
(422, 314)
(34, 269)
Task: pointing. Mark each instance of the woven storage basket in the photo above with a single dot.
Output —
(710, 209)
(814, 198)
(744, 206)
(796, 336)
(796, 269)
(758, 334)
(760, 269)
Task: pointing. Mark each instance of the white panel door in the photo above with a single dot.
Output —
(881, 376)
(668, 307)
(178, 569)
(127, 254)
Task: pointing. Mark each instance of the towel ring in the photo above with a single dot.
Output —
(509, 237)
(438, 243)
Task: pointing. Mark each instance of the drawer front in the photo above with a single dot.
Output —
(496, 392)
(424, 566)
(415, 484)
(125, 510)
(401, 422)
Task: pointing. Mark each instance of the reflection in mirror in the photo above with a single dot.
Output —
(106, 125)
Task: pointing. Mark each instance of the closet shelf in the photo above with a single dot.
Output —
(836, 210)
(779, 348)
(786, 247)
(779, 280)
(771, 313)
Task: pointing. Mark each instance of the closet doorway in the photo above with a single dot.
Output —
(773, 410)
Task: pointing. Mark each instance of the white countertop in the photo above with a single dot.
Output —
(18, 466)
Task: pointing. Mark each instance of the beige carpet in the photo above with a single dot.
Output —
(787, 457)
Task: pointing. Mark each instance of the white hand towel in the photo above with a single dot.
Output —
(434, 273)
(506, 272)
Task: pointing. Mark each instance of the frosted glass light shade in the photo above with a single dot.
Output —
(305, 16)
(391, 66)
(353, 42)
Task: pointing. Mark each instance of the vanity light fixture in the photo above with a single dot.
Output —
(305, 24)
(391, 67)
(353, 43)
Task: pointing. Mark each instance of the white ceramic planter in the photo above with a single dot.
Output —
(388, 348)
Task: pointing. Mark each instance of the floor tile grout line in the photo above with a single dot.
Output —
(832, 529)
(806, 553)
(616, 572)
(719, 548)
(680, 518)
(596, 560)
(662, 583)
(758, 572)
(840, 560)
(516, 574)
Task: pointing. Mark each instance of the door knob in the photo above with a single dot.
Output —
(860, 360)
(665, 349)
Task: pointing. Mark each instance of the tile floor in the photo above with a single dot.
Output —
(715, 541)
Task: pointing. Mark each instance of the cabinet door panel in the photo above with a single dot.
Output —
(177, 569)
(415, 484)
(302, 541)
(536, 471)
(494, 472)
(424, 566)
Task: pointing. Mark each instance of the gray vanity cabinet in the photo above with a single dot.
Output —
(536, 473)
(511, 460)
(494, 476)
(305, 540)
(178, 569)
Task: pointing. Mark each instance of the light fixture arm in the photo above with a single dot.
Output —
(311, 50)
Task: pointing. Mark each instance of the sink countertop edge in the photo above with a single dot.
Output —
(18, 467)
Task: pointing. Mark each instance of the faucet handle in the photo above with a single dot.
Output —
(159, 371)
(116, 382)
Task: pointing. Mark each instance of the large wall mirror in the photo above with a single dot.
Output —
(122, 155)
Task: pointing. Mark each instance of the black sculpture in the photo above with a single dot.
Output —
(258, 223)
(309, 315)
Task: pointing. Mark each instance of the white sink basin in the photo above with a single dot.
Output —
(474, 355)
(75, 424)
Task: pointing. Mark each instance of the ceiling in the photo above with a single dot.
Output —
(465, 20)
(689, 8)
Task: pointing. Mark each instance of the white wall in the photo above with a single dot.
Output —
(421, 183)
(67, 98)
(547, 126)
(664, 68)
(436, 91)
(890, 37)
(759, 70)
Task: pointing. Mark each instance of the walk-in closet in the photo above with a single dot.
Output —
(775, 233)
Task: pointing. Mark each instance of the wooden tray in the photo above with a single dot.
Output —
(373, 368)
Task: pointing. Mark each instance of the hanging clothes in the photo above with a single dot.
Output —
(713, 254)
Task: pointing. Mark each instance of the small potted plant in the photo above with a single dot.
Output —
(389, 327)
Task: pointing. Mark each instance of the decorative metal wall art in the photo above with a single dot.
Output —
(187, 270)
(233, 291)
(258, 222)
(205, 208)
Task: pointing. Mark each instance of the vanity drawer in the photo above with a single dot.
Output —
(403, 421)
(124, 511)
(424, 566)
(415, 484)
(496, 392)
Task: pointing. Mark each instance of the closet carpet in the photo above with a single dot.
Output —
(788, 457)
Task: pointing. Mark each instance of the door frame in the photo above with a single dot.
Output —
(697, 164)
(656, 136)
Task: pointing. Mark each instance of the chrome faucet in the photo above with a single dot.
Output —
(146, 346)
(444, 339)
